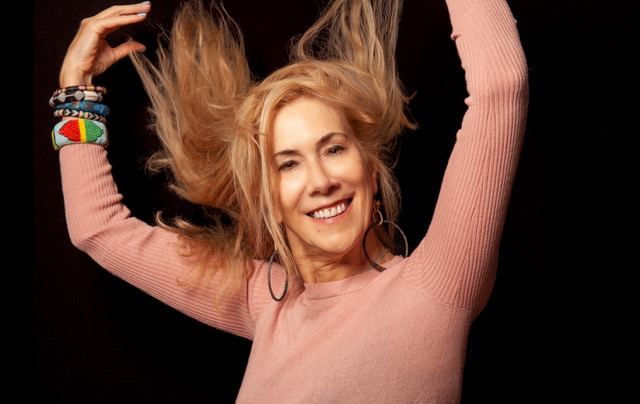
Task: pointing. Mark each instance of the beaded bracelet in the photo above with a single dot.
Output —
(78, 95)
(79, 131)
(61, 112)
(89, 87)
(87, 106)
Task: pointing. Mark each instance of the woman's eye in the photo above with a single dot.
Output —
(335, 149)
(287, 165)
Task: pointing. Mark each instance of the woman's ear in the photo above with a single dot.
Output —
(374, 179)
(277, 214)
(373, 171)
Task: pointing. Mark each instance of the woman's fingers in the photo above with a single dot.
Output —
(115, 17)
(89, 53)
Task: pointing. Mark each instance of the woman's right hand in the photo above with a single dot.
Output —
(89, 53)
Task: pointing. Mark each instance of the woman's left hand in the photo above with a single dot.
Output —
(89, 53)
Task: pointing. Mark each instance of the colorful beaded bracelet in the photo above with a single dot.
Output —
(73, 113)
(87, 106)
(79, 131)
(78, 95)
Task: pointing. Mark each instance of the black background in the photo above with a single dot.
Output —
(553, 330)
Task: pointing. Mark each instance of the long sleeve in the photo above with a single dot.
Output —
(461, 247)
(145, 256)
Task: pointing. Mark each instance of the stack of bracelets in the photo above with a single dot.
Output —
(85, 103)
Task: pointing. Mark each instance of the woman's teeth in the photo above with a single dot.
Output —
(331, 212)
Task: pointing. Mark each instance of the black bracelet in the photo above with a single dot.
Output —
(77, 95)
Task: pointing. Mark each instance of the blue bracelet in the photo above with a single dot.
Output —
(87, 106)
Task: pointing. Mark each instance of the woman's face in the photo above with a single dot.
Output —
(326, 190)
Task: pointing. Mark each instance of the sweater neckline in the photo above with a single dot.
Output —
(316, 291)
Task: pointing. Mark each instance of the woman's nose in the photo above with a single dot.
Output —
(320, 181)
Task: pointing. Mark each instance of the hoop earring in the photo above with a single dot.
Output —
(286, 284)
(378, 220)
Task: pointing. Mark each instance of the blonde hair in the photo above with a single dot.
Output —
(214, 120)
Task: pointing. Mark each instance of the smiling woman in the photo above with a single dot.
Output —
(325, 191)
(299, 167)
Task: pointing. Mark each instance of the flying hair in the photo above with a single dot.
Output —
(213, 119)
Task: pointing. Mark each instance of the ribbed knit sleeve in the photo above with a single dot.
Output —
(458, 256)
(145, 256)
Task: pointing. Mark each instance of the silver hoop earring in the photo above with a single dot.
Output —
(380, 220)
(286, 284)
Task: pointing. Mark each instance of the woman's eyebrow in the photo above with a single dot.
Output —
(286, 152)
(327, 138)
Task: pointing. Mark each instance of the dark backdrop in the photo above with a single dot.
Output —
(543, 335)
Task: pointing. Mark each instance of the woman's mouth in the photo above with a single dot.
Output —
(330, 212)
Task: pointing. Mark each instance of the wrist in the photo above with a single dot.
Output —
(68, 79)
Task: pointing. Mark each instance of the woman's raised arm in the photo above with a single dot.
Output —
(461, 245)
(148, 257)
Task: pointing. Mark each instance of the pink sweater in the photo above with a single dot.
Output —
(397, 336)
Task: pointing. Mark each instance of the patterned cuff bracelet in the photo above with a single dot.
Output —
(79, 131)
(87, 106)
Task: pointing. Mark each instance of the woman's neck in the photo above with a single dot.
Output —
(318, 270)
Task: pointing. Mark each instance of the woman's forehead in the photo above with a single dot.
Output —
(305, 119)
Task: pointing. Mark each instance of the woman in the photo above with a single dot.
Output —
(297, 255)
